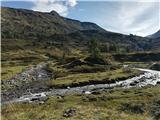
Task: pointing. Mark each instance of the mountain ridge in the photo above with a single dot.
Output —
(155, 35)
(51, 22)
(50, 27)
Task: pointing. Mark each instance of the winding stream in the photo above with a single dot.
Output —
(149, 77)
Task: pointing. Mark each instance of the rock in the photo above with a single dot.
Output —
(95, 92)
(87, 92)
(68, 87)
(158, 82)
(41, 102)
(38, 72)
(132, 84)
(60, 97)
(142, 79)
(136, 82)
(69, 112)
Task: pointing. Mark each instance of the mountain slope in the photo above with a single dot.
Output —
(52, 28)
(155, 42)
(155, 35)
(17, 22)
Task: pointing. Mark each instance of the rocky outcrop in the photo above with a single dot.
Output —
(36, 73)
(32, 80)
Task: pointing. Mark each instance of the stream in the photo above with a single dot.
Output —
(148, 78)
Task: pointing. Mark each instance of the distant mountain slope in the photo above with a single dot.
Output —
(25, 22)
(155, 42)
(52, 28)
(155, 35)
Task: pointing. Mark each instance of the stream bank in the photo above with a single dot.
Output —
(148, 78)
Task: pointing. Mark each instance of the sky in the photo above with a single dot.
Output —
(138, 17)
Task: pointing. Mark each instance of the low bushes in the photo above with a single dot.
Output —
(155, 109)
(133, 108)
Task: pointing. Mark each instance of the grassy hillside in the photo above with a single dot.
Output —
(21, 23)
(32, 38)
(52, 29)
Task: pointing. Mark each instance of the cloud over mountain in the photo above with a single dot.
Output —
(61, 7)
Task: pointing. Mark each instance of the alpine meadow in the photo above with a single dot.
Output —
(80, 60)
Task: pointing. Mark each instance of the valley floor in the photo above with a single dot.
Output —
(98, 102)
(117, 104)
(30, 72)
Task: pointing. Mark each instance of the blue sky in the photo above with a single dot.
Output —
(136, 17)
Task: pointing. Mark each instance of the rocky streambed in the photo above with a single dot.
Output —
(34, 73)
(31, 80)
(148, 78)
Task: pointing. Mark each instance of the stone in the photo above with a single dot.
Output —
(69, 112)
(158, 82)
(132, 84)
(87, 92)
(95, 92)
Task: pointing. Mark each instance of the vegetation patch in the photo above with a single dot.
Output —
(133, 108)
(9, 72)
(155, 66)
(138, 57)
(105, 105)
(93, 78)
(155, 109)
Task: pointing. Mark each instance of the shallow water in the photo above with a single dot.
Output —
(149, 77)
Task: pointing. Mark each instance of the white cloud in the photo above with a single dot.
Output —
(59, 6)
(71, 3)
(97, 0)
(140, 18)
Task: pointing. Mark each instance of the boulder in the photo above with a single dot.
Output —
(69, 112)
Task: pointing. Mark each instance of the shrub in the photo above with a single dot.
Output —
(94, 48)
(88, 69)
(155, 109)
(133, 108)
(93, 60)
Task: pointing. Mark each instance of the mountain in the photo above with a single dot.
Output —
(24, 22)
(155, 43)
(155, 35)
(50, 29)
(155, 40)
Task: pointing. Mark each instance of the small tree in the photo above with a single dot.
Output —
(94, 48)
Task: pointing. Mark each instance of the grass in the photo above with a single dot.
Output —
(87, 78)
(138, 64)
(14, 62)
(9, 72)
(107, 105)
